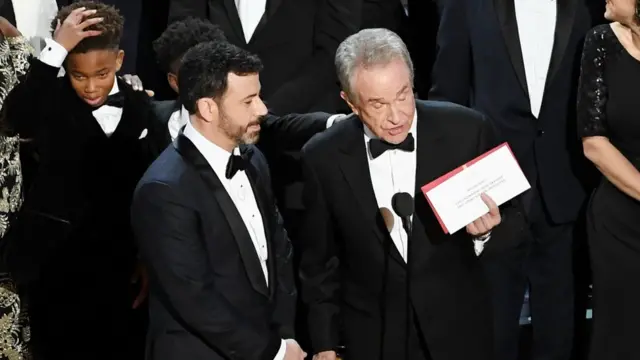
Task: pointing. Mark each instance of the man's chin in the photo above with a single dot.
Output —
(250, 139)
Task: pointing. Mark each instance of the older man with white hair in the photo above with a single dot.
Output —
(384, 293)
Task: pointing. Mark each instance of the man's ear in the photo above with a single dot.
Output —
(346, 98)
(173, 82)
(207, 109)
(119, 60)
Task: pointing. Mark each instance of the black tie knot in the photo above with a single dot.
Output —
(115, 100)
(377, 147)
(236, 163)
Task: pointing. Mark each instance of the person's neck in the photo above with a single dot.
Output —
(217, 138)
(634, 29)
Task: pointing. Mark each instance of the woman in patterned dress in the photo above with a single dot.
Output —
(15, 53)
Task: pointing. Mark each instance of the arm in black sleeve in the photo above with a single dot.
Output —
(290, 132)
(319, 265)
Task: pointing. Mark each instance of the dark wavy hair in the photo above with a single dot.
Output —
(205, 69)
(181, 36)
(111, 27)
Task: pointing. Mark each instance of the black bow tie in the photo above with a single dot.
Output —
(236, 163)
(115, 100)
(377, 147)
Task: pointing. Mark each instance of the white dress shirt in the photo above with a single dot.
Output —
(33, 19)
(392, 172)
(536, 28)
(250, 12)
(108, 117)
(241, 193)
(180, 118)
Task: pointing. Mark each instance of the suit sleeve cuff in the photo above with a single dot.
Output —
(479, 242)
(53, 53)
(334, 119)
(282, 351)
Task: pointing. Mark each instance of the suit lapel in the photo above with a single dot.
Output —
(505, 10)
(355, 167)
(429, 166)
(240, 234)
(133, 120)
(266, 211)
(234, 18)
(564, 24)
(271, 8)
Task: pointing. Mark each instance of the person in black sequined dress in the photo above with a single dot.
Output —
(609, 126)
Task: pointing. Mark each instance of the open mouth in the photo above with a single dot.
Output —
(93, 101)
(396, 130)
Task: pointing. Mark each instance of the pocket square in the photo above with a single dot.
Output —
(143, 134)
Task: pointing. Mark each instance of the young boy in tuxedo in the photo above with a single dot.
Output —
(72, 245)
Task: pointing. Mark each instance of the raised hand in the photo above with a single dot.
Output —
(486, 222)
(136, 83)
(74, 28)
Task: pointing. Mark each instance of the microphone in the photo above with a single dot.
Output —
(387, 216)
(402, 204)
(389, 221)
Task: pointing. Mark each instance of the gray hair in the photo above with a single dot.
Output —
(367, 48)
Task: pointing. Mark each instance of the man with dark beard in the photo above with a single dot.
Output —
(221, 278)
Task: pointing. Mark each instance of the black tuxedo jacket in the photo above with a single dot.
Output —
(280, 137)
(296, 40)
(208, 296)
(479, 64)
(79, 197)
(347, 250)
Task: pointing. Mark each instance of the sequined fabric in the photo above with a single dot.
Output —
(600, 47)
(14, 327)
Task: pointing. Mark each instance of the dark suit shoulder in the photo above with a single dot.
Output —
(445, 111)
(452, 120)
(169, 168)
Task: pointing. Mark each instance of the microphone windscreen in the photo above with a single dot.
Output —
(388, 218)
(402, 204)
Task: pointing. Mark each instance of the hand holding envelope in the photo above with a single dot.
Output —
(486, 222)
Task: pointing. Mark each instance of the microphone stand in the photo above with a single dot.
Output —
(408, 228)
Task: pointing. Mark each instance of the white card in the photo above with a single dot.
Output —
(455, 196)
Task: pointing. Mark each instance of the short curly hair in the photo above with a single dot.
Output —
(181, 36)
(111, 26)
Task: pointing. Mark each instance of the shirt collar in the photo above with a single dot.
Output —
(216, 156)
(115, 89)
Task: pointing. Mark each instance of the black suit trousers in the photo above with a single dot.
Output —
(543, 261)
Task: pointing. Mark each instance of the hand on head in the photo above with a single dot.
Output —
(74, 28)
